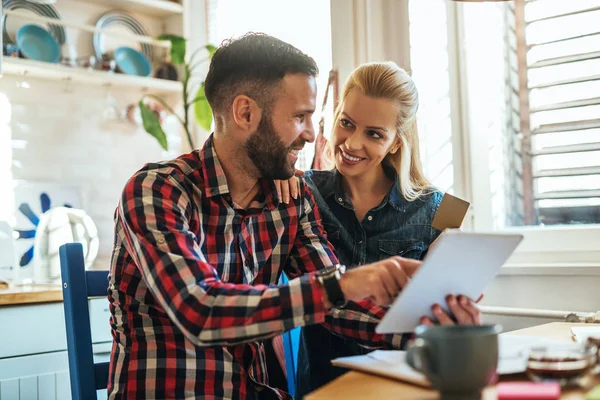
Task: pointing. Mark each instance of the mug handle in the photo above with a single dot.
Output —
(418, 358)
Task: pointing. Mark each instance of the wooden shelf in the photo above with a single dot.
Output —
(24, 69)
(156, 8)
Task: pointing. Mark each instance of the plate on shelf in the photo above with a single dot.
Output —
(45, 10)
(119, 21)
(38, 44)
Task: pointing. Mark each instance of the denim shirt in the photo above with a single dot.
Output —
(396, 227)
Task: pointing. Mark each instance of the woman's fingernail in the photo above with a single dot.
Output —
(452, 301)
(464, 301)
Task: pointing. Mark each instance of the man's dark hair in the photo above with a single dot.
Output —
(254, 65)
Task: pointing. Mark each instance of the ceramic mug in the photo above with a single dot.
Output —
(459, 361)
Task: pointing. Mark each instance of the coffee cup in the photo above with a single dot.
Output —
(459, 361)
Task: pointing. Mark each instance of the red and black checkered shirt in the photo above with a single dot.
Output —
(193, 283)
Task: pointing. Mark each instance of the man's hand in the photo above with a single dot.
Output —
(463, 309)
(380, 281)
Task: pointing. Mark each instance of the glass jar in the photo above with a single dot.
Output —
(570, 364)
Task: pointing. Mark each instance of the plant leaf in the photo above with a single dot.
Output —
(152, 125)
(177, 47)
(211, 50)
(202, 110)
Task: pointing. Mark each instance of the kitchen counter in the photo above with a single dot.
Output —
(30, 294)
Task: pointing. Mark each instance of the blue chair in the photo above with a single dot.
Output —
(79, 284)
(291, 342)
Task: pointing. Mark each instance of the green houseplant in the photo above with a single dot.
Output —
(201, 108)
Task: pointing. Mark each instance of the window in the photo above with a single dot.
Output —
(306, 25)
(560, 110)
(545, 167)
(529, 74)
(466, 63)
(429, 61)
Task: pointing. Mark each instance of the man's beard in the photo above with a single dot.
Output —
(269, 154)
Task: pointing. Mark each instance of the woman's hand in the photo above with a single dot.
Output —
(288, 188)
(464, 312)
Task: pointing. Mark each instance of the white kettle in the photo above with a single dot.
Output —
(58, 226)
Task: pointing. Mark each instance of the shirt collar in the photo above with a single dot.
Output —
(215, 181)
(394, 197)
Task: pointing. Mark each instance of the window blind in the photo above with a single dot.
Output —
(561, 110)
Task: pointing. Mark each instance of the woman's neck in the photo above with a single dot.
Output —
(375, 184)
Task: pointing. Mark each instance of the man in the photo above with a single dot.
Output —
(200, 242)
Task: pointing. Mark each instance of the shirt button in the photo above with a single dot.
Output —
(161, 240)
(370, 218)
(307, 318)
(340, 199)
(360, 242)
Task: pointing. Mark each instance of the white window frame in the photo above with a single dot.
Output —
(545, 249)
(358, 35)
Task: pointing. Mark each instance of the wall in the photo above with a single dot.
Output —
(554, 291)
(59, 134)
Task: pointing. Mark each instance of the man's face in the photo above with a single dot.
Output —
(282, 133)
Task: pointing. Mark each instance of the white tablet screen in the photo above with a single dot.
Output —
(460, 263)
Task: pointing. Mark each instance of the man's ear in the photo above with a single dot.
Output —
(246, 113)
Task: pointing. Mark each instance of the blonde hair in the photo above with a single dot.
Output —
(386, 80)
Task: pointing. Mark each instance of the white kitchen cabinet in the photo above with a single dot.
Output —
(33, 344)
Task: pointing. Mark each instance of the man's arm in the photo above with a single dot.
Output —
(311, 252)
(154, 212)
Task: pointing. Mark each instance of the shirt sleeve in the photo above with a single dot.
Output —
(154, 215)
(312, 251)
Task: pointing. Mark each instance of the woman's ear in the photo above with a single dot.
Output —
(395, 147)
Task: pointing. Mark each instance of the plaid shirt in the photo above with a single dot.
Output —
(193, 283)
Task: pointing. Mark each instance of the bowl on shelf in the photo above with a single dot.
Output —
(132, 62)
(36, 43)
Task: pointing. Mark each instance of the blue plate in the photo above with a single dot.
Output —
(37, 43)
(132, 62)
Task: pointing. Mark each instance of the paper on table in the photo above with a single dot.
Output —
(513, 353)
(582, 333)
(388, 363)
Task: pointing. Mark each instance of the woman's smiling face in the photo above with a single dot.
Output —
(364, 134)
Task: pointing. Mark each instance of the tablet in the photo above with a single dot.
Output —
(460, 263)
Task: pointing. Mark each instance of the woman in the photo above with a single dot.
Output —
(375, 203)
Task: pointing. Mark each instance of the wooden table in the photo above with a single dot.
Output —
(358, 385)
(28, 294)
